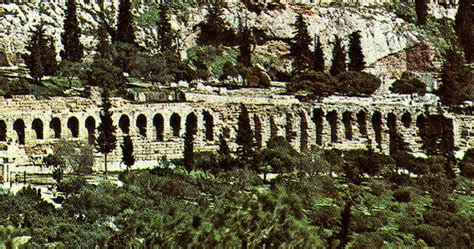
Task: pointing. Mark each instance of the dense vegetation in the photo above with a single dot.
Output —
(334, 199)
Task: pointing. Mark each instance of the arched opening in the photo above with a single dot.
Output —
(73, 126)
(289, 128)
(273, 128)
(124, 124)
(175, 123)
(19, 127)
(209, 125)
(141, 125)
(304, 132)
(37, 126)
(258, 131)
(90, 126)
(332, 119)
(159, 124)
(3, 131)
(377, 124)
(55, 125)
(318, 121)
(406, 119)
(347, 120)
(362, 122)
(392, 130)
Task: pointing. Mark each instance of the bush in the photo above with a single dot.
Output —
(408, 85)
(402, 195)
(467, 164)
(316, 83)
(357, 83)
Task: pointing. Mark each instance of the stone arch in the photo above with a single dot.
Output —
(90, 126)
(19, 127)
(209, 125)
(124, 124)
(141, 124)
(159, 124)
(377, 125)
(73, 126)
(37, 126)
(332, 119)
(3, 131)
(175, 123)
(191, 123)
(258, 131)
(318, 121)
(362, 122)
(304, 132)
(406, 119)
(55, 125)
(347, 121)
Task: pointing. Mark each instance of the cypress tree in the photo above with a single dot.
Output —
(300, 46)
(103, 46)
(191, 129)
(223, 147)
(338, 58)
(41, 59)
(318, 55)
(245, 51)
(421, 8)
(164, 29)
(244, 136)
(106, 139)
(215, 30)
(127, 152)
(73, 49)
(356, 56)
(457, 80)
(125, 31)
(465, 28)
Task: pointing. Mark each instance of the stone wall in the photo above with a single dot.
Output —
(157, 129)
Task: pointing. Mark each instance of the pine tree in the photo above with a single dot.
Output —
(125, 31)
(191, 129)
(41, 59)
(318, 55)
(73, 49)
(338, 58)
(103, 46)
(106, 139)
(356, 56)
(223, 147)
(215, 30)
(164, 29)
(300, 46)
(245, 136)
(465, 28)
(457, 80)
(245, 50)
(421, 8)
(127, 152)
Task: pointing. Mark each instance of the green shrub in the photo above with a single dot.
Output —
(402, 195)
(357, 83)
(408, 85)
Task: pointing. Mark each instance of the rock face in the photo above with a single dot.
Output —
(382, 32)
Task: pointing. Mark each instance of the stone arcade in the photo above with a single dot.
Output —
(28, 127)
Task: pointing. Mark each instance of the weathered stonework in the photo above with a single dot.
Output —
(333, 122)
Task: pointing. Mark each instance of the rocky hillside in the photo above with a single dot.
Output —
(385, 37)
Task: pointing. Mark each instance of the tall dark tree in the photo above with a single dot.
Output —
(191, 129)
(41, 57)
(338, 58)
(465, 28)
(164, 29)
(245, 136)
(106, 139)
(125, 30)
(421, 8)
(223, 146)
(73, 49)
(215, 30)
(356, 56)
(103, 46)
(245, 46)
(127, 152)
(300, 46)
(457, 80)
(318, 55)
